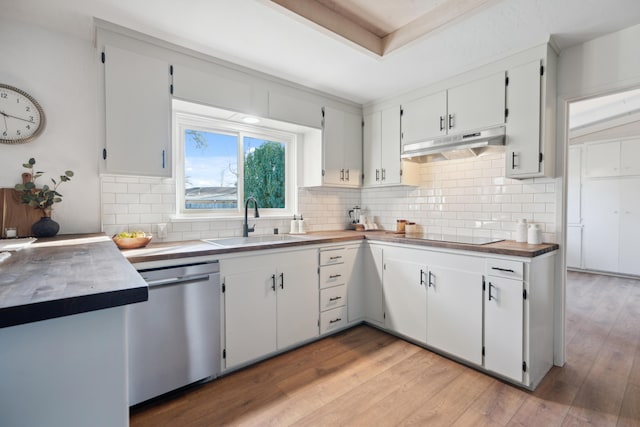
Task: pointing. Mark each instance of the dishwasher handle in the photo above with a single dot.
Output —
(178, 280)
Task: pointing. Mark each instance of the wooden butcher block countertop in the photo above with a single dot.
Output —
(162, 251)
(66, 275)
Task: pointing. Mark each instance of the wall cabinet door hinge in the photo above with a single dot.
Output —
(506, 81)
(224, 287)
(483, 350)
(322, 172)
(484, 289)
(524, 366)
(224, 353)
(524, 294)
(401, 111)
(542, 70)
(540, 158)
(103, 57)
(104, 154)
(506, 113)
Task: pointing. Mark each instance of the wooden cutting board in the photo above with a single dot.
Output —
(15, 214)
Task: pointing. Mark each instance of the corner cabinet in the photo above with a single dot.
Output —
(137, 114)
(381, 151)
(531, 122)
(342, 148)
(270, 303)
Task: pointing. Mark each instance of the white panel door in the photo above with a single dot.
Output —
(424, 118)
(404, 289)
(138, 114)
(523, 141)
(476, 105)
(454, 312)
(630, 226)
(390, 146)
(601, 219)
(503, 328)
(630, 157)
(371, 148)
(250, 314)
(297, 302)
(602, 159)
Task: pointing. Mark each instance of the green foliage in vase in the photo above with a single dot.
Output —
(40, 198)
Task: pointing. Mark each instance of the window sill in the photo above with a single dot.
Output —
(214, 218)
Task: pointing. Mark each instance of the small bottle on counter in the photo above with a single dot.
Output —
(521, 230)
(293, 228)
(301, 224)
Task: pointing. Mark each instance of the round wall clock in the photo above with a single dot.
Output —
(21, 117)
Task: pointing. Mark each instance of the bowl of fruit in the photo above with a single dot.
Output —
(132, 239)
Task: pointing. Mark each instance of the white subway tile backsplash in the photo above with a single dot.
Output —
(465, 197)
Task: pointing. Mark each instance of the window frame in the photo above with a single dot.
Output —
(183, 120)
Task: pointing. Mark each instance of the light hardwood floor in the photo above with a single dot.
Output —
(364, 377)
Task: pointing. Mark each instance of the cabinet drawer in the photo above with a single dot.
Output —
(505, 268)
(332, 275)
(333, 319)
(332, 256)
(333, 297)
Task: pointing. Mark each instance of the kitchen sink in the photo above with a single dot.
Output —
(254, 240)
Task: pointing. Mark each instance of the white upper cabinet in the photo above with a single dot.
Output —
(381, 151)
(476, 105)
(471, 106)
(424, 118)
(295, 109)
(523, 122)
(211, 88)
(530, 123)
(602, 159)
(612, 158)
(342, 148)
(137, 114)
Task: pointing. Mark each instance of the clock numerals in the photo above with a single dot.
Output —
(21, 117)
(3, 95)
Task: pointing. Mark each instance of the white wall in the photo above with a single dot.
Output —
(60, 73)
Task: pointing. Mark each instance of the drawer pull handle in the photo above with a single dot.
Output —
(334, 321)
(335, 298)
(431, 276)
(335, 257)
(508, 270)
(281, 280)
(335, 276)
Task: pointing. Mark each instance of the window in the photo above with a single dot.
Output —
(220, 163)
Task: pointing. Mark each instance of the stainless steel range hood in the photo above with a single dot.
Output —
(455, 146)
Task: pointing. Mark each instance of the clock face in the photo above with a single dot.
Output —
(21, 117)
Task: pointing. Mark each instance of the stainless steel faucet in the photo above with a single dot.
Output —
(245, 227)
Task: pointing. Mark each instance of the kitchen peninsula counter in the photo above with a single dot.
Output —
(66, 275)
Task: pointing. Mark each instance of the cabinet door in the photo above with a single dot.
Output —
(250, 312)
(630, 226)
(476, 105)
(424, 118)
(137, 114)
(293, 109)
(503, 327)
(372, 284)
(371, 148)
(352, 150)
(630, 158)
(390, 146)
(602, 159)
(601, 219)
(404, 293)
(454, 312)
(523, 140)
(212, 88)
(574, 185)
(297, 290)
(332, 146)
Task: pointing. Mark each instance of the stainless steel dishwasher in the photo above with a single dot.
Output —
(174, 337)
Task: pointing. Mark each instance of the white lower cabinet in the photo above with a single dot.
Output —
(405, 293)
(454, 306)
(503, 326)
(270, 301)
(338, 273)
(365, 294)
